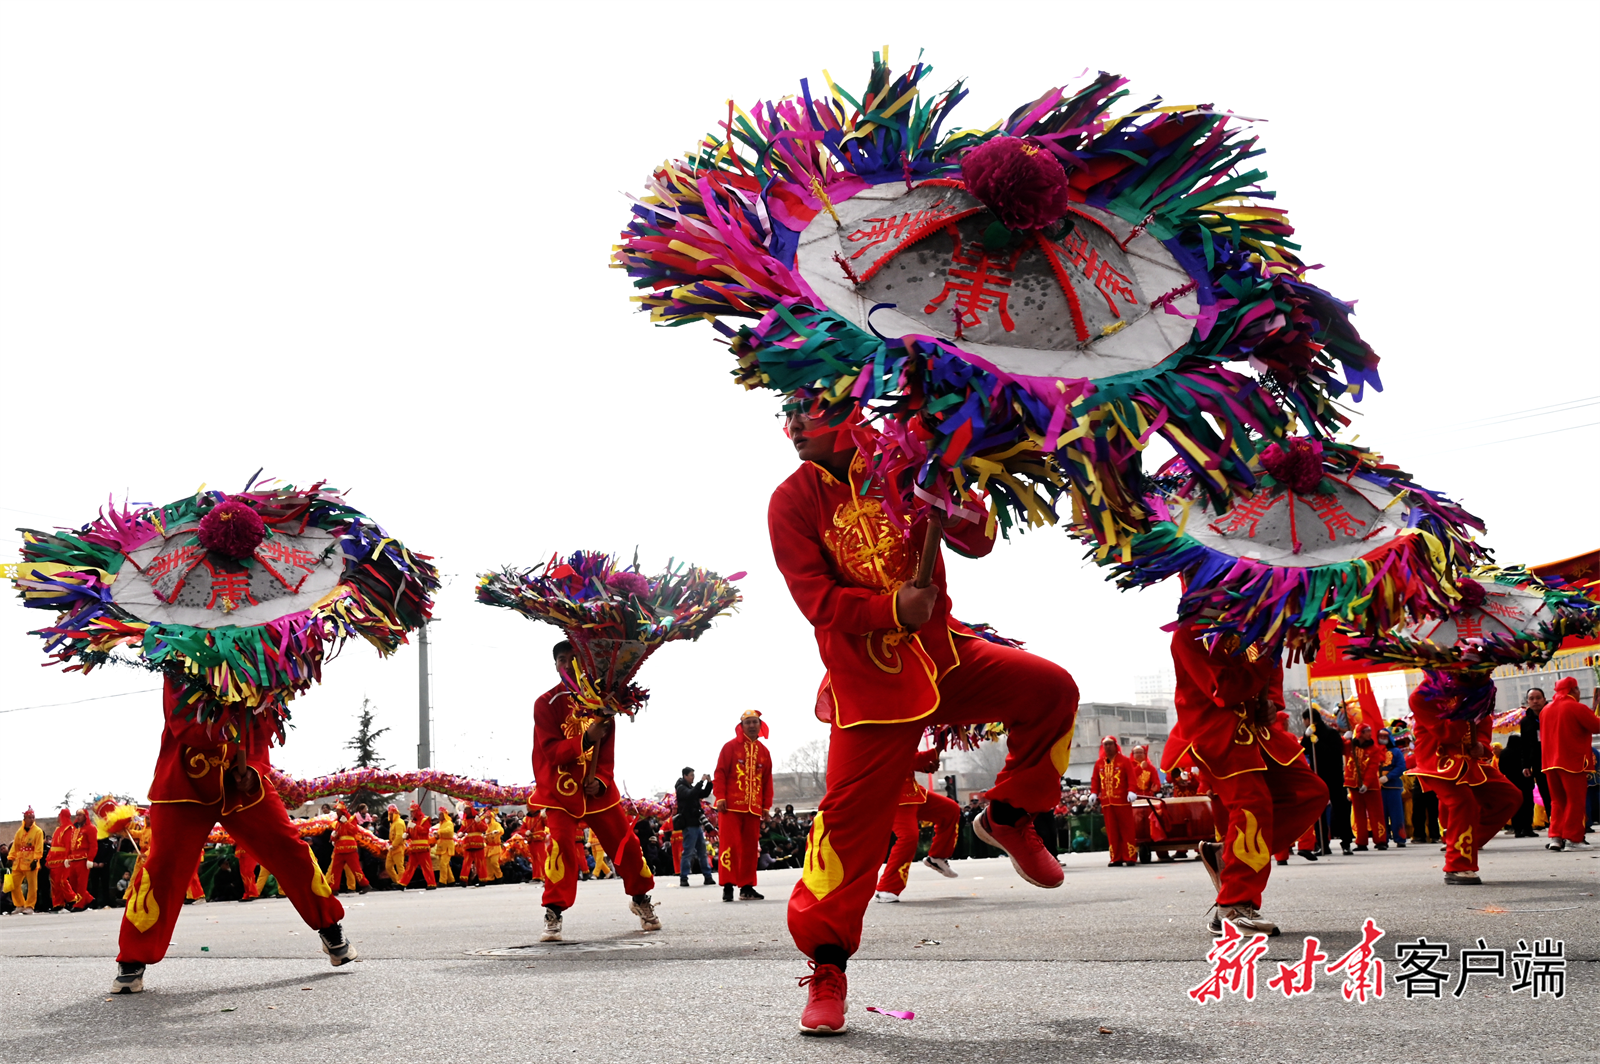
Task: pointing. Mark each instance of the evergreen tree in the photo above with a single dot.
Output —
(364, 744)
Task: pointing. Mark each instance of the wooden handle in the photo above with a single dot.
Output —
(930, 552)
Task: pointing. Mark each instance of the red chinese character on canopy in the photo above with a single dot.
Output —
(230, 591)
(1362, 967)
(979, 283)
(1469, 626)
(1301, 978)
(882, 230)
(1106, 278)
(1245, 516)
(1233, 966)
(1335, 518)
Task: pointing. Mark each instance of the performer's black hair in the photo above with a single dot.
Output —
(563, 647)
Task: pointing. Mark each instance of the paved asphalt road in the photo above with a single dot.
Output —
(994, 969)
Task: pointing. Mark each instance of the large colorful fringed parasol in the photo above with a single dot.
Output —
(614, 616)
(236, 597)
(1505, 616)
(1330, 531)
(1016, 310)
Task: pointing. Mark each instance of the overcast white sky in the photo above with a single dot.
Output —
(368, 242)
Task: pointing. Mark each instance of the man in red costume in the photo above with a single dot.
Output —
(1112, 782)
(1566, 729)
(1146, 779)
(533, 829)
(473, 845)
(85, 847)
(346, 860)
(1363, 778)
(55, 862)
(201, 778)
(742, 788)
(897, 663)
(250, 872)
(573, 753)
(419, 850)
(1228, 700)
(1453, 725)
(918, 804)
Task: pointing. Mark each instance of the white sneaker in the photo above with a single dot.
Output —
(552, 925)
(885, 897)
(941, 866)
(1246, 918)
(646, 912)
(1556, 844)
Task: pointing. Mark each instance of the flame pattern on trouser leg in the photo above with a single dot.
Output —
(1266, 812)
(1472, 815)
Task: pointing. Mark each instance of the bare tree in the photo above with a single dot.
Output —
(810, 763)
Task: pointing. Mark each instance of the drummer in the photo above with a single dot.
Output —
(1145, 781)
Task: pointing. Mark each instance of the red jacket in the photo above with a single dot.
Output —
(1445, 749)
(1145, 779)
(192, 765)
(472, 829)
(60, 845)
(1112, 778)
(1217, 699)
(419, 835)
(843, 562)
(1364, 765)
(345, 833)
(1565, 727)
(560, 759)
(914, 793)
(85, 842)
(744, 775)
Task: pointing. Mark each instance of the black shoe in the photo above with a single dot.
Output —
(711, 881)
(336, 946)
(1400, 843)
(1282, 860)
(683, 882)
(1345, 846)
(129, 980)
(1361, 848)
(727, 892)
(1383, 845)
(749, 894)
(1309, 855)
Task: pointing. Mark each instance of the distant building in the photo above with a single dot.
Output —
(1155, 688)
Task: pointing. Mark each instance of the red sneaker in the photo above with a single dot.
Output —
(1023, 845)
(825, 1000)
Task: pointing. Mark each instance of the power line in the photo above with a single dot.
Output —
(80, 701)
(1540, 411)
(1529, 436)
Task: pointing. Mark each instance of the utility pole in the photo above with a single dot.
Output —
(424, 711)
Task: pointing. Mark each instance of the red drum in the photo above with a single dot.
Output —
(1173, 823)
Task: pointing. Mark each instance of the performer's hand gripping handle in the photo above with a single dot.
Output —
(914, 602)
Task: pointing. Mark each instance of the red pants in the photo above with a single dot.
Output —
(178, 831)
(1474, 815)
(1568, 793)
(474, 862)
(868, 764)
(248, 869)
(614, 829)
(418, 860)
(1119, 832)
(347, 863)
(538, 854)
(1367, 812)
(946, 817)
(77, 875)
(1267, 811)
(677, 853)
(740, 837)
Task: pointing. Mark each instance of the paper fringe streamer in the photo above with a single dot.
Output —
(613, 615)
(715, 239)
(1414, 574)
(228, 672)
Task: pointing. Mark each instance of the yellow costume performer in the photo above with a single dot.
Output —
(444, 848)
(27, 849)
(139, 832)
(494, 851)
(601, 868)
(395, 861)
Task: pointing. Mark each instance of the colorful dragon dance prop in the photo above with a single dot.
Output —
(296, 792)
(1331, 530)
(614, 616)
(1505, 616)
(238, 598)
(1017, 310)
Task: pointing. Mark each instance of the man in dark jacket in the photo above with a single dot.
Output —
(1325, 750)
(689, 819)
(1531, 755)
(1512, 761)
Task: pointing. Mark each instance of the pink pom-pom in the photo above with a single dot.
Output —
(1019, 180)
(629, 584)
(1472, 594)
(1297, 466)
(233, 530)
